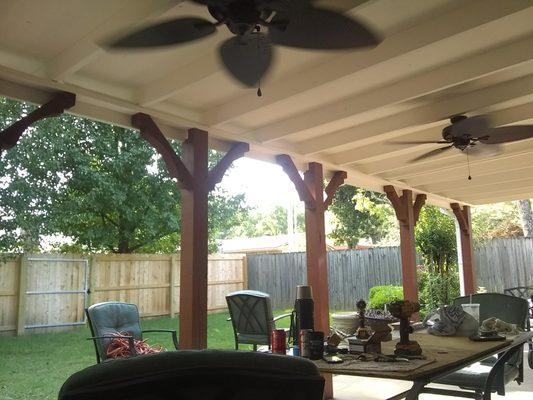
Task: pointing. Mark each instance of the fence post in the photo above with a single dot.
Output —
(245, 272)
(23, 281)
(90, 282)
(174, 265)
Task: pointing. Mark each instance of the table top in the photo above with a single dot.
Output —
(448, 352)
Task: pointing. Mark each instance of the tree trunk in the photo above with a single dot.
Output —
(526, 214)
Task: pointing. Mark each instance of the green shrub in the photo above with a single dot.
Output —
(435, 290)
(381, 295)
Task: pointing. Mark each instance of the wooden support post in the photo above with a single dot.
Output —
(23, 282)
(407, 214)
(465, 225)
(59, 103)
(90, 280)
(195, 179)
(311, 192)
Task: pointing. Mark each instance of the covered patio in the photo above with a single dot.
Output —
(343, 116)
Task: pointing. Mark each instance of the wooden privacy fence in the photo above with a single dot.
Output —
(48, 292)
(500, 264)
(504, 263)
(351, 274)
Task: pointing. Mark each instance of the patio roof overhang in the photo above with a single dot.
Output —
(341, 109)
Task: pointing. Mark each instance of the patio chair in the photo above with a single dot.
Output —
(107, 319)
(525, 292)
(198, 374)
(251, 316)
(492, 374)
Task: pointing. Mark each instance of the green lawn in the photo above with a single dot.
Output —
(35, 366)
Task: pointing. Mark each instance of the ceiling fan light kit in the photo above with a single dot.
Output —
(248, 55)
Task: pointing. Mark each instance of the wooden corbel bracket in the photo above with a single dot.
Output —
(217, 172)
(417, 206)
(461, 214)
(56, 106)
(153, 135)
(337, 180)
(301, 187)
(397, 203)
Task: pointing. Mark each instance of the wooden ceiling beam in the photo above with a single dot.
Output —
(453, 161)
(86, 50)
(487, 189)
(345, 66)
(499, 199)
(391, 126)
(526, 191)
(458, 72)
(509, 175)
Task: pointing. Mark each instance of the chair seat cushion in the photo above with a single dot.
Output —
(198, 374)
(475, 375)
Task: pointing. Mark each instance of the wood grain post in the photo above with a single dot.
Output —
(244, 272)
(193, 271)
(407, 214)
(174, 265)
(465, 224)
(91, 283)
(23, 281)
(195, 180)
(311, 192)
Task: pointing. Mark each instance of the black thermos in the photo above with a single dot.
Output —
(304, 310)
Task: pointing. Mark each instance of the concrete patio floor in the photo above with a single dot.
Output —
(360, 388)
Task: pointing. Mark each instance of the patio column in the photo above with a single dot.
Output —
(56, 106)
(467, 275)
(407, 214)
(311, 192)
(195, 181)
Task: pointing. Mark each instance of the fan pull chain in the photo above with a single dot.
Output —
(259, 92)
(468, 163)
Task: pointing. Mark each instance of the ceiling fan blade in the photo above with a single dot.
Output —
(431, 153)
(506, 134)
(482, 150)
(171, 32)
(316, 28)
(475, 126)
(418, 142)
(248, 58)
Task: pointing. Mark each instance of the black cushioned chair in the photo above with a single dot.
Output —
(251, 315)
(492, 374)
(107, 319)
(198, 374)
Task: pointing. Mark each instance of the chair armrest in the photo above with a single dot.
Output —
(131, 343)
(171, 331)
(282, 316)
(499, 366)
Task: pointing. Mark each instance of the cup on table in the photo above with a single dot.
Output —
(472, 309)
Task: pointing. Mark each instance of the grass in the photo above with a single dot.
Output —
(35, 366)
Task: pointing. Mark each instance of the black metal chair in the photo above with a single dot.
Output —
(251, 315)
(198, 374)
(525, 292)
(492, 374)
(107, 319)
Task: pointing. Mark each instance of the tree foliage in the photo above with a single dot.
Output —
(270, 223)
(359, 214)
(496, 220)
(99, 185)
(435, 240)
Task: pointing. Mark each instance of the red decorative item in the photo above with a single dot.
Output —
(278, 340)
(119, 347)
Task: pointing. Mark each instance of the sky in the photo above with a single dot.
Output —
(264, 184)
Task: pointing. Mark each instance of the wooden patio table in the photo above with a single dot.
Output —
(449, 354)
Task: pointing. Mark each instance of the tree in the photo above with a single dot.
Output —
(271, 223)
(359, 214)
(526, 215)
(496, 220)
(102, 186)
(435, 240)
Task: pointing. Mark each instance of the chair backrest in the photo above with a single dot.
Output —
(112, 317)
(513, 310)
(198, 374)
(251, 316)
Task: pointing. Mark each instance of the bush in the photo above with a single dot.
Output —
(379, 296)
(436, 290)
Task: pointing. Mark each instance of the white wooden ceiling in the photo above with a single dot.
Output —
(343, 109)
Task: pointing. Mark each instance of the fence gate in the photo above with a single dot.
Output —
(56, 292)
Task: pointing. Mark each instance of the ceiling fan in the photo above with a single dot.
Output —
(475, 136)
(248, 54)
